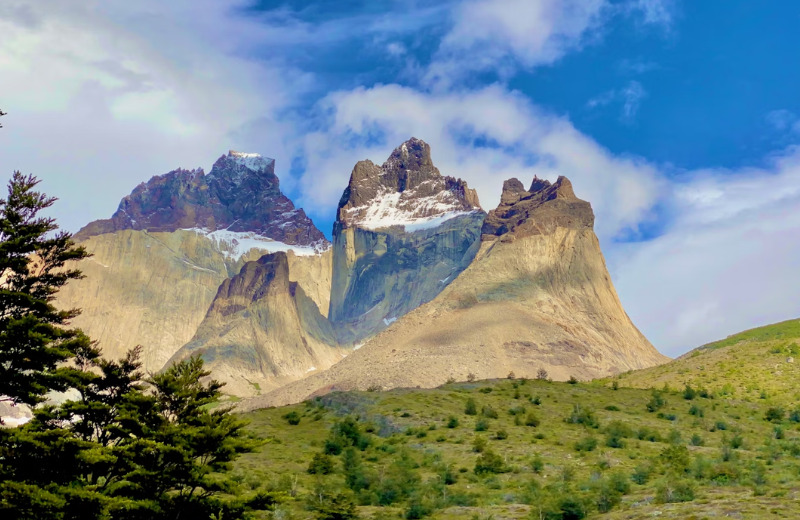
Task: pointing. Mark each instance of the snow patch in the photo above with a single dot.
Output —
(405, 209)
(235, 244)
(311, 369)
(389, 321)
(251, 161)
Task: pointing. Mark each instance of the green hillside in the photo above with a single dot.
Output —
(532, 449)
(761, 364)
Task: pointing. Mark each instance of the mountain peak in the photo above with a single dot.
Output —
(414, 154)
(241, 194)
(251, 161)
(539, 210)
(407, 190)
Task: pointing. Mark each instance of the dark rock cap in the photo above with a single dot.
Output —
(539, 210)
(241, 193)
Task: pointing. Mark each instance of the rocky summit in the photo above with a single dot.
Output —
(403, 232)
(241, 194)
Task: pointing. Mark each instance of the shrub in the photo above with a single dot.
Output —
(646, 434)
(537, 401)
(334, 507)
(532, 420)
(501, 435)
(675, 459)
(612, 408)
(541, 374)
(572, 380)
(479, 444)
(582, 415)
(675, 491)
(489, 412)
(794, 415)
(720, 425)
(470, 408)
(696, 440)
(490, 462)
(586, 444)
(517, 410)
(452, 422)
(696, 411)
(537, 464)
(689, 393)
(656, 402)
(292, 418)
(481, 425)
(321, 464)
(641, 474)
(486, 390)
(774, 414)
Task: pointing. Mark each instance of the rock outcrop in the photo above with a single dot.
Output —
(262, 330)
(536, 296)
(158, 262)
(403, 232)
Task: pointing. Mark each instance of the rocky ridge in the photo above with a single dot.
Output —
(240, 196)
(262, 330)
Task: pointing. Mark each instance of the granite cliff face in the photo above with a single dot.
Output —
(537, 295)
(262, 330)
(403, 232)
(158, 262)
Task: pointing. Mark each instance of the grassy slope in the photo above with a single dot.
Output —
(411, 426)
(758, 364)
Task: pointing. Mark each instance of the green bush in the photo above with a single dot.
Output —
(673, 491)
(532, 420)
(321, 464)
(489, 412)
(470, 408)
(481, 425)
(586, 444)
(774, 414)
(656, 401)
(452, 422)
(490, 462)
(292, 418)
(582, 415)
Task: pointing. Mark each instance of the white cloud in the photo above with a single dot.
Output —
(632, 96)
(728, 261)
(502, 34)
(629, 97)
(103, 95)
(655, 12)
(526, 141)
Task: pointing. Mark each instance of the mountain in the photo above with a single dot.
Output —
(759, 365)
(262, 330)
(403, 232)
(158, 262)
(536, 296)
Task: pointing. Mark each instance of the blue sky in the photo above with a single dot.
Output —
(679, 121)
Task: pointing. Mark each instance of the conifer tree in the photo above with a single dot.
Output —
(34, 341)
